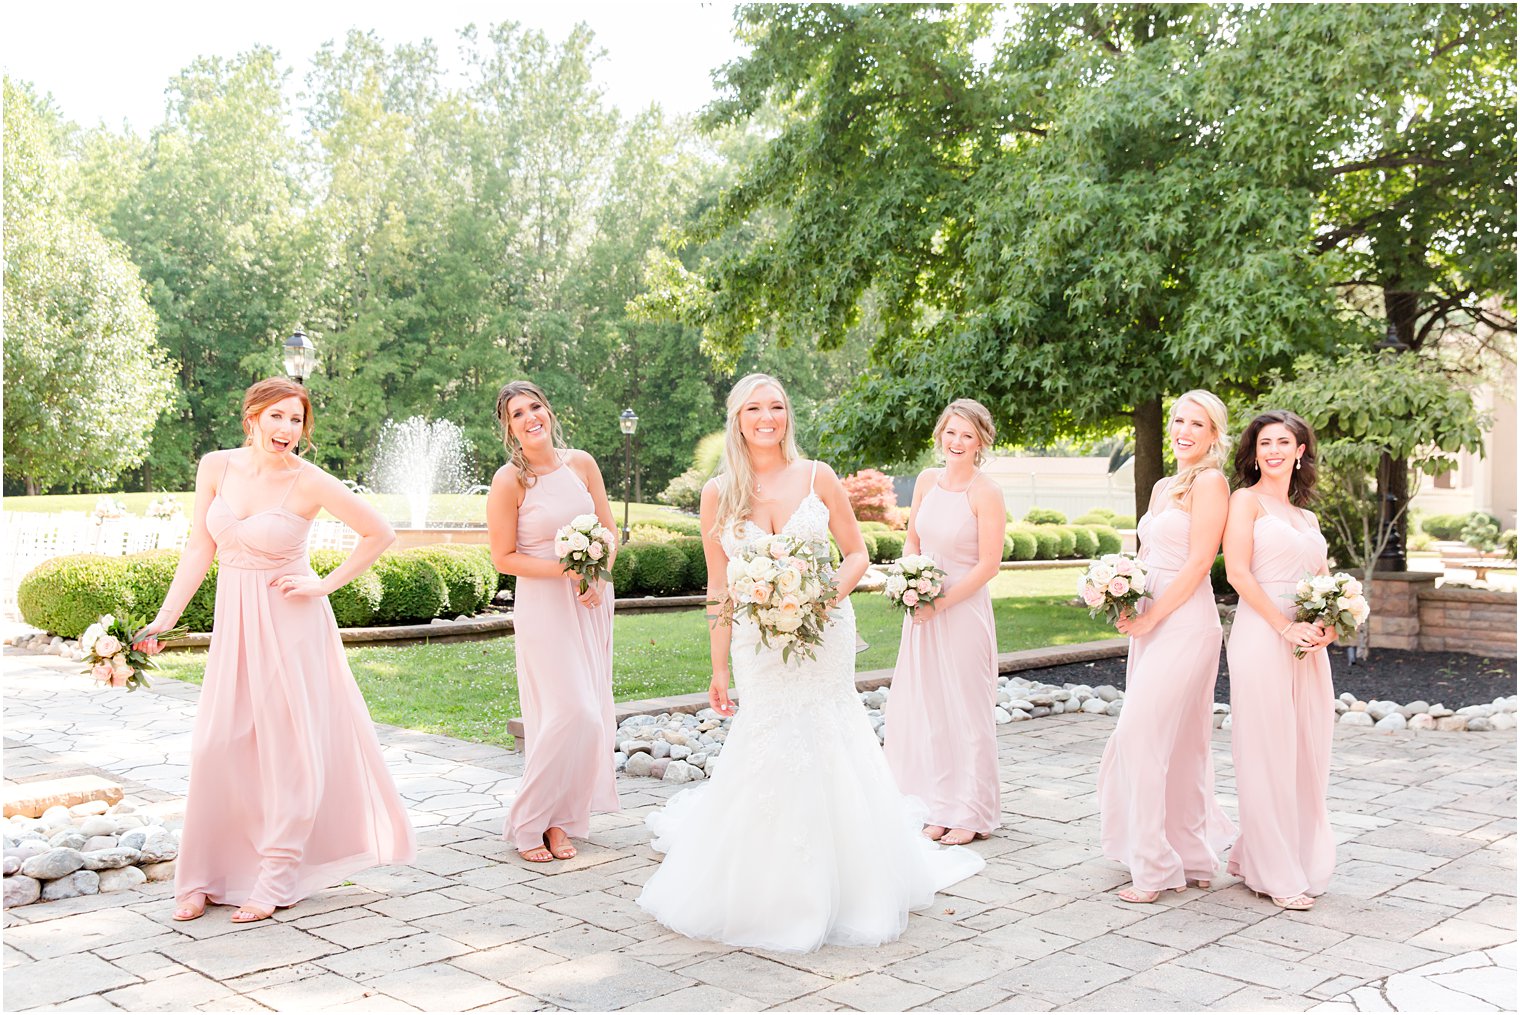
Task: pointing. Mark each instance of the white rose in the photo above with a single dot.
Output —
(90, 637)
(1303, 588)
(758, 568)
(1137, 581)
(788, 580)
(1322, 583)
(788, 624)
(735, 570)
(743, 590)
(1101, 574)
(585, 522)
(1352, 587)
(578, 541)
(897, 585)
(561, 547)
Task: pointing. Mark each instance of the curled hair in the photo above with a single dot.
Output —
(1218, 452)
(513, 446)
(1305, 471)
(974, 413)
(736, 474)
(267, 392)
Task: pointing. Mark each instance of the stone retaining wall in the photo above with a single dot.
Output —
(1409, 612)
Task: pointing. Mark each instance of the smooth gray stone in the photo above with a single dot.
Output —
(160, 846)
(660, 749)
(28, 847)
(121, 879)
(12, 865)
(71, 887)
(1391, 721)
(55, 863)
(639, 764)
(108, 859)
(98, 842)
(1107, 692)
(1039, 712)
(632, 747)
(679, 771)
(98, 826)
(1479, 724)
(68, 839)
(679, 752)
(21, 890)
(1357, 719)
(159, 871)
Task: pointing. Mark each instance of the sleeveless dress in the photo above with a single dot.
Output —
(941, 738)
(564, 679)
(1156, 800)
(801, 838)
(288, 790)
(1283, 721)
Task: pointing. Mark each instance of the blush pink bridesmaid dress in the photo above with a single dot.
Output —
(1283, 719)
(941, 739)
(288, 792)
(564, 679)
(1156, 800)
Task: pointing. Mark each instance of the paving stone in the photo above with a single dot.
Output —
(497, 923)
(880, 992)
(440, 986)
(951, 968)
(582, 939)
(1253, 967)
(1086, 919)
(700, 998)
(1198, 988)
(1256, 998)
(1129, 997)
(1181, 929)
(506, 960)
(54, 981)
(766, 981)
(412, 907)
(84, 932)
(387, 957)
(363, 930)
(981, 997)
(170, 993)
(1458, 935)
(1062, 977)
(1018, 940)
(599, 982)
(251, 949)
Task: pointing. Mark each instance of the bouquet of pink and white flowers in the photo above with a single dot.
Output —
(117, 657)
(584, 547)
(107, 506)
(913, 580)
(785, 584)
(1113, 585)
(165, 508)
(1335, 600)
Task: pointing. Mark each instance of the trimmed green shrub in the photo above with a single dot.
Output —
(623, 568)
(1123, 521)
(1507, 540)
(1007, 546)
(683, 526)
(152, 572)
(354, 605)
(1481, 532)
(1045, 516)
(870, 540)
(469, 574)
(648, 532)
(1068, 540)
(1219, 578)
(685, 491)
(835, 557)
(660, 569)
(65, 595)
(1047, 542)
(1097, 516)
(412, 589)
(1024, 544)
(696, 563)
(1109, 540)
(875, 527)
(1444, 527)
(889, 545)
(1086, 542)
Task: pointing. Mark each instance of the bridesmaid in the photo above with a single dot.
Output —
(1156, 781)
(563, 637)
(288, 790)
(1282, 707)
(941, 739)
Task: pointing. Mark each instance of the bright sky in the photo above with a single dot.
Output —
(110, 61)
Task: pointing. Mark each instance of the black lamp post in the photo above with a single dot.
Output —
(628, 422)
(300, 357)
(1392, 483)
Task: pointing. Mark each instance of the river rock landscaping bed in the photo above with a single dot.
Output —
(86, 849)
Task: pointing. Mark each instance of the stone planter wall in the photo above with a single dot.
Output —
(1409, 612)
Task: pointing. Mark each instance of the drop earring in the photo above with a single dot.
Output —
(1298, 463)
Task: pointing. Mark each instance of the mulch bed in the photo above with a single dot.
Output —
(1453, 679)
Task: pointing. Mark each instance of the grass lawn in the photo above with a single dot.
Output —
(468, 690)
(452, 508)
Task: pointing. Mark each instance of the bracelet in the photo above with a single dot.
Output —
(1284, 631)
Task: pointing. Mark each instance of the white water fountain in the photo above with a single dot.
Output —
(419, 457)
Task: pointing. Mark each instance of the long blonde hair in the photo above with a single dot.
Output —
(980, 420)
(736, 473)
(1217, 454)
(514, 448)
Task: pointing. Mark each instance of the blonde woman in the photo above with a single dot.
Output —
(941, 739)
(769, 854)
(563, 637)
(1156, 779)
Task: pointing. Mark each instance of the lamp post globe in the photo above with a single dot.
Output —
(628, 422)
(300, 357)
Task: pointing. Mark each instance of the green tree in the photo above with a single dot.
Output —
(84, 379)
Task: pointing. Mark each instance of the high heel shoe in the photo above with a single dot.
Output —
(248, 914)
(190, 909)
(1134, 895)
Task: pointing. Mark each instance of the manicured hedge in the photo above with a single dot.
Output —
(467, 572)
(1068, 540)
(150, 574)
(872, 551)
(1123, 521)
(875, 527)
(353, 605)
(414, 591)
(1047, 541)
(1086, 540)
(889, 546)
(659, 569)
(65, 595)
(696, 563)
(1097, 516)
(1446, 527)
(1109, 540)
(622, 567)
(1045, 516)
(1019, 544)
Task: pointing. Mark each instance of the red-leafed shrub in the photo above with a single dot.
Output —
(871, 495)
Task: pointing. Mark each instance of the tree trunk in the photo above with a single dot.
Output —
(1149, 465)
(1402, 308)
(31, 487)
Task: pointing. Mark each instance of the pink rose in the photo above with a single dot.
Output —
(1119, 586)
(101, 672)
(1125, 566)
(597, 551)
(762, 592)
(107, 646)
(910, 598)
(1091, 596)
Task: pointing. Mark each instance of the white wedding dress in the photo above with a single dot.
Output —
(801, 838)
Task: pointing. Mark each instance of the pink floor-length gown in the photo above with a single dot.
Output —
(1283, 721)
(1156, 781)
(941, 740)
(288, 792)
(564, 679)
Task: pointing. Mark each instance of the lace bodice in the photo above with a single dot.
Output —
(810, 521)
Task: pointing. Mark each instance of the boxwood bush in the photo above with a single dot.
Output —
(466, 571)
(696, 563)
(1086, 540)
(1045, 516)
(1445, 527)
(1219, 578)
(889, 545)
(1097, 516)
(1047, 541)
(1024, 545)
(1109, 540)
(152, 572)
(412, 589)
(65, 595)
(1123, 521)
(623, 567)
(875, 527)
(871, 548)
(1068, 540)
(660, 569)
(355, 604)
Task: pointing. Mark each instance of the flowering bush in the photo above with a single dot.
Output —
(871, 495)
(166, 508)
(107, 506)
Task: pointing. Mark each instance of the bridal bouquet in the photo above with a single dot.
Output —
(116, 657)
(584, 547)
(1334, 600)
(784, 583)
(912, 581)
(1113, 585)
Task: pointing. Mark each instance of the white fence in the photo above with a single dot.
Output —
(33, 537)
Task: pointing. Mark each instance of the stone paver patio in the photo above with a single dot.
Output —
(1420, 914)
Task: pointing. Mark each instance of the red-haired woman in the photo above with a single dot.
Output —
(288, 790)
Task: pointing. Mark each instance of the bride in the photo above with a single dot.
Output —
(801, 838)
